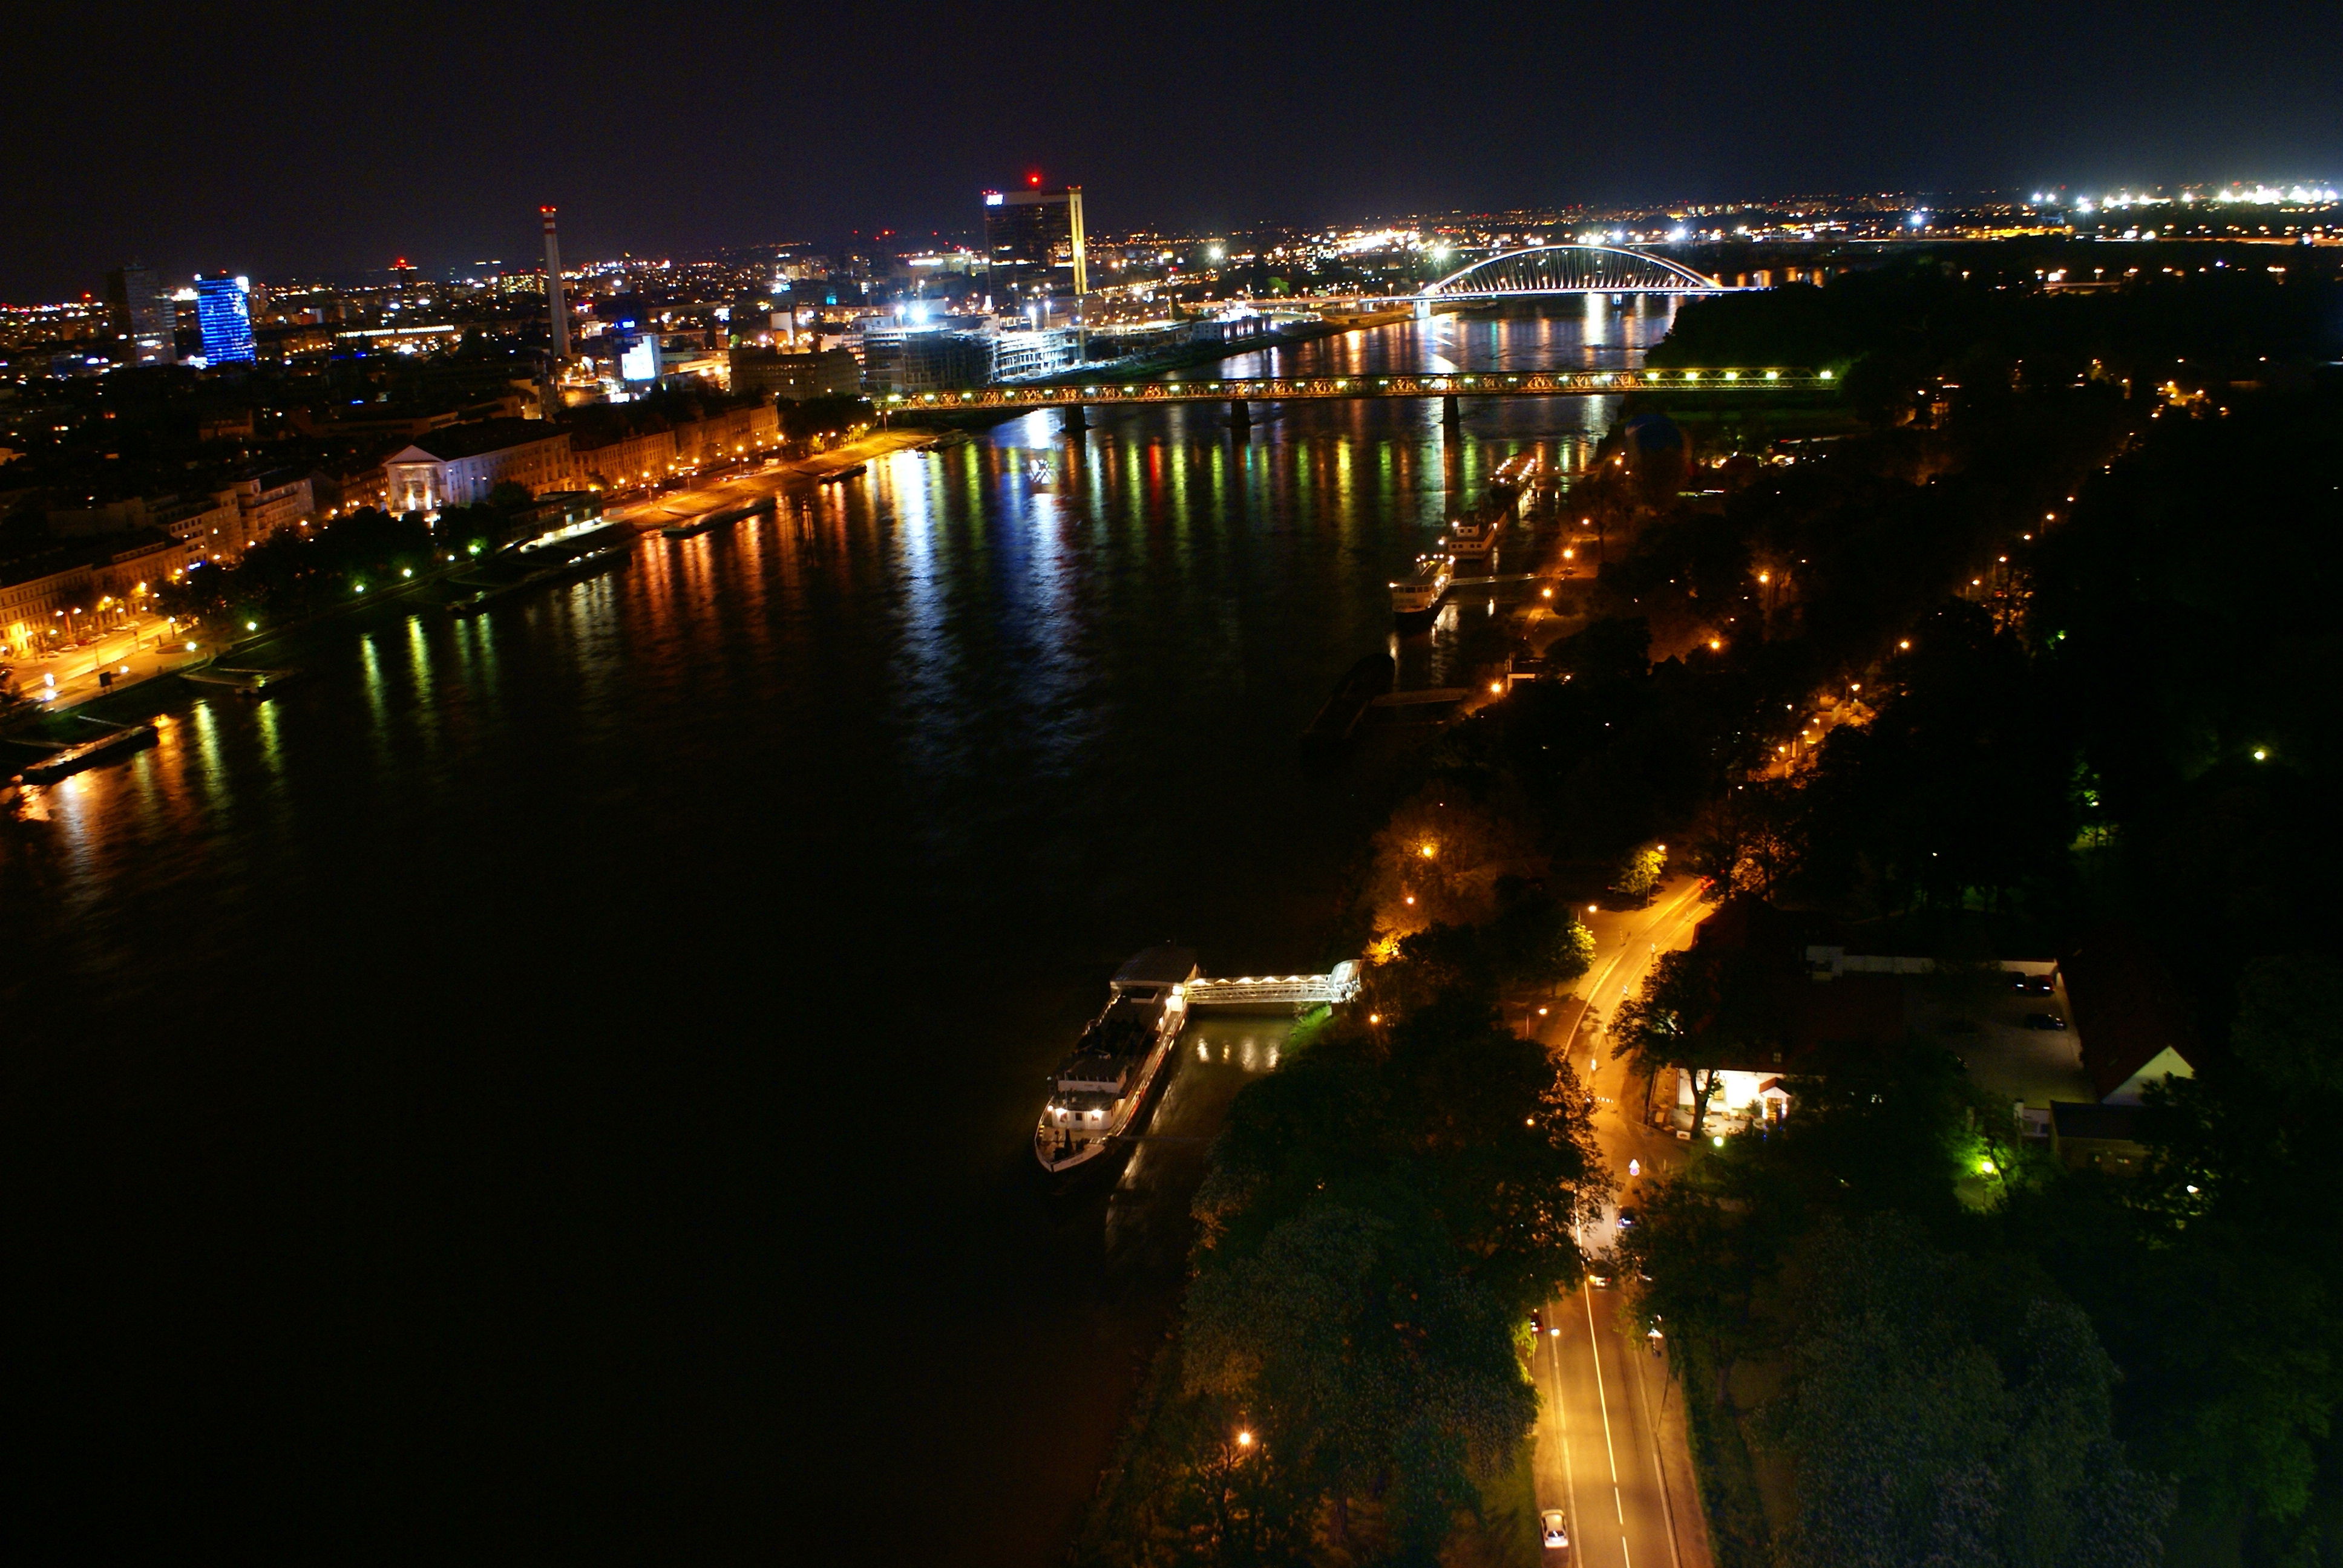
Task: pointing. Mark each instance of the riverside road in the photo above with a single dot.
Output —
(1608, 1452)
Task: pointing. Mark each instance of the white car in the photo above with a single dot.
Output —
(1556, 1538)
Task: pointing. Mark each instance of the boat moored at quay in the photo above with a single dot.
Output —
(1099, 1093)
(1418, 593)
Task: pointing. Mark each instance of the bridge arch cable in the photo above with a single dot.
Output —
(1572, 269)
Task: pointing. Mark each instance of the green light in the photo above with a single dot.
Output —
(2260, 754)
(1987, 1167)
(251, 626)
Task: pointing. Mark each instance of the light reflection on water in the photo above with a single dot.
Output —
(518, 969)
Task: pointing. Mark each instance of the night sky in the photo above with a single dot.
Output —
(280, 139)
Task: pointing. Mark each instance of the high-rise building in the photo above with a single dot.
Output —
(1023, 231)
(556, 293)
(223, 311)
(143, 315)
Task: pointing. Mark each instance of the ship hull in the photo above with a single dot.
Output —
(1107, 1154)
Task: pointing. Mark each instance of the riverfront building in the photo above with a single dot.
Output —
(460, 465)
(793, 377)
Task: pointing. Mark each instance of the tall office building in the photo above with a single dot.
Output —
(143, 315)
(226, 317)
(556, 291)
(1022, 233)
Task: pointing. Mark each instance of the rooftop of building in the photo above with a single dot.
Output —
(482, 436)
(2127, 1008)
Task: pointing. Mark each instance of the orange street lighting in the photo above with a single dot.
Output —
(1424, 850)
(1244, 1440)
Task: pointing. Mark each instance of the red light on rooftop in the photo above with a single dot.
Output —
(1034, 179)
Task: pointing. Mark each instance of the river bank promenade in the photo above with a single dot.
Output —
(142, 650)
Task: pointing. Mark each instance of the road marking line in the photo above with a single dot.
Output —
(1562, 1424)
(1594, 1349)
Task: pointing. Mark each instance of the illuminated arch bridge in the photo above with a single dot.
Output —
(1571, 269)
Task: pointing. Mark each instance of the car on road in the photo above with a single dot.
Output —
(1627, 1219)
(2035, 985)
(2044, 1020)
(1556, 1538)
(1599, 1282)
(1537, 1322)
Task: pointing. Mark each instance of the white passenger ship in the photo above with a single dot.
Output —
(1097, 1095)
(1418, 593)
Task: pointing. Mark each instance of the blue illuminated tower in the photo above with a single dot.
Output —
(225, 318)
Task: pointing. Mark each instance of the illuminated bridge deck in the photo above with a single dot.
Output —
(1312, 388)
(1277, 991)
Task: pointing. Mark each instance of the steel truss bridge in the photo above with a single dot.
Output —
(1320, 388)
(1553, 269)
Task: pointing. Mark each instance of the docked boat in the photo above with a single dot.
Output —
(1418, 593)
(1516, 473)
(66, 759)
(717, 519)
(1365, 681)
(843, 475)
(591, 560)
(1473, 536)
(1098, 1093)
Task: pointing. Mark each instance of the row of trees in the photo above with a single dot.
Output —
(301, 572)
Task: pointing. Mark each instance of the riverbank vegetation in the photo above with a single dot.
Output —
(300, 572)
(1381, 1215)
(2026, 652)
(1908, 1336)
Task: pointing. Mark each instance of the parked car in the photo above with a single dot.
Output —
(2044, 1020)
(1627, 1219)
(2035, 985)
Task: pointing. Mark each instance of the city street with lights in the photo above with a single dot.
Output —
(1604, 1454)
(146, 646)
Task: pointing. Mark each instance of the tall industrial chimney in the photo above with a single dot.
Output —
(556, 298)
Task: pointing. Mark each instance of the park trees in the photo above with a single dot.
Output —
(1381, 1215)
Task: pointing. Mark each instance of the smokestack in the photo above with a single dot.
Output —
(556, 297)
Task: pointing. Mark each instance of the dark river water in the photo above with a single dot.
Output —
(560, 1084)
